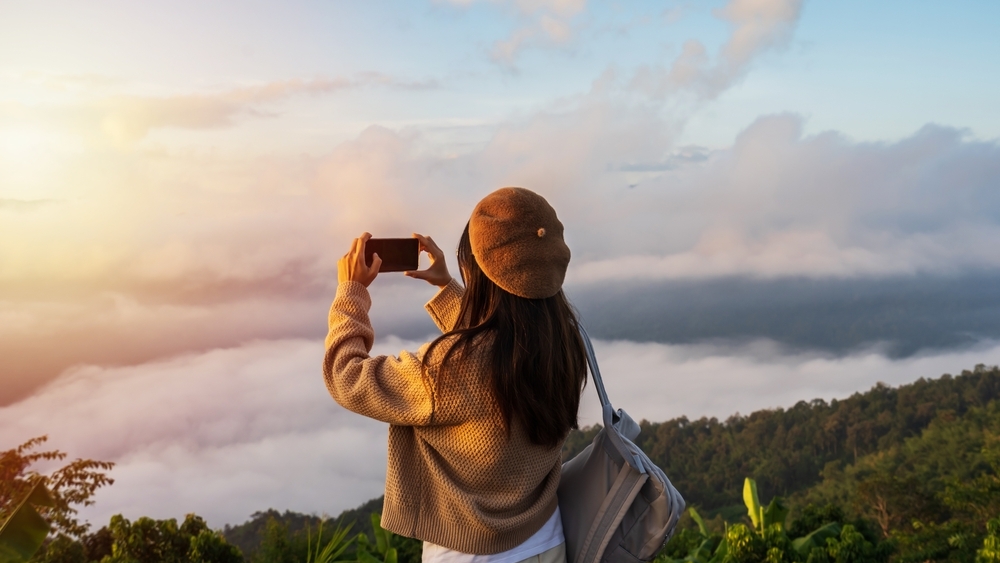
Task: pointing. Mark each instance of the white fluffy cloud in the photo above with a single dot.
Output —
(659, 381)
(780, 204)
(757, 26)
(231, 431)
(222, 433)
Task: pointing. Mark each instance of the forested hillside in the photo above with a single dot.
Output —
(248, 536)
(915, 469)
(786, 450)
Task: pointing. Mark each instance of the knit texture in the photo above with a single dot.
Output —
(517, 240)
(454, 478)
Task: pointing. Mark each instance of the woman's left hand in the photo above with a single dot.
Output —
(352, 266)
(437, 274)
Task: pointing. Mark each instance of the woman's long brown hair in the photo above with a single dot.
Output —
(538, 363)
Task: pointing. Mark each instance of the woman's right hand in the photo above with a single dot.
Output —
(437, 273)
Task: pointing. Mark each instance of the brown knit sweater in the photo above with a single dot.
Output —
(454, 478)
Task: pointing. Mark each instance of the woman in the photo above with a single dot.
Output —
(478, 416)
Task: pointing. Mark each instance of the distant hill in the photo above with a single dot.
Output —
(247, 536)
(785, 450)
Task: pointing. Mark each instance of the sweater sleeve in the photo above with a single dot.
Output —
(386, 388)
(444, 306)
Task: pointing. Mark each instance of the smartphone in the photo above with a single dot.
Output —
(397, 254)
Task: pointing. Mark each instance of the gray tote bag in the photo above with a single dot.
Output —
(617, 507)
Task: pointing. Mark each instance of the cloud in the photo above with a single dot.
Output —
(23, 205)
(227, 432)
(125, 119)
(658, 382)
(541, 23)
(565, 8)
(757, 26)
(902, 315)
(779, 204)
(85, 81)
(505, 52)
(528, 7)
(222, 433)
(43, 337)
(138, 257)
(247, 249)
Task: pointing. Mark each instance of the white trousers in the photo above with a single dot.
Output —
(555, 555)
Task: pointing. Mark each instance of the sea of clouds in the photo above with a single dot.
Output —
(232, 431)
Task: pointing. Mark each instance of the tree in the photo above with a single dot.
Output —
(275, 546)
(162, 541)
(895, 500)
(70, 486)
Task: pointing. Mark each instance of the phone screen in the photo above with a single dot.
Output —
(397, 254)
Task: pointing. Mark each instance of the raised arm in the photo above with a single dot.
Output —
(393, 390)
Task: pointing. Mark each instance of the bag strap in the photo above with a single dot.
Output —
(611, 417)
(595, 371)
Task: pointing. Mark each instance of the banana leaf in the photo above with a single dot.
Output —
(775, 513)
(383, 537)
(24, 531)
(816, 538)
(365, 557)
(698, 520)
(720, 552)
(752, 501)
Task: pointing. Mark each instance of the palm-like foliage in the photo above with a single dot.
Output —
(334, 548)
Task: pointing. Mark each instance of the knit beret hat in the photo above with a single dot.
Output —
(517, 241)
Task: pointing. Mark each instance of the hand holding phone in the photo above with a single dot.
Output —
(394, 255)
(437, 273)
(352, 266)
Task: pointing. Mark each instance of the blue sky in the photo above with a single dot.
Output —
(873, 71)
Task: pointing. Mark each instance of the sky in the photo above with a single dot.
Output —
(767, 201)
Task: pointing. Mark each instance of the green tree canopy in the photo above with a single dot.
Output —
(71, 485)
